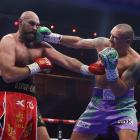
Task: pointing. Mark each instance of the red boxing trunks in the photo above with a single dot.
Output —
(18, 116)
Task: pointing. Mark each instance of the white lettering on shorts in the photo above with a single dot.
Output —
(21, 103)
(83, 124)
(30, 105)
(108, 95)
(126, 121)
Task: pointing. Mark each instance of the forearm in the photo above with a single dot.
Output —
(15, 74)
(45, 34)
(69, 63)
(70, 41)
(77, 66)
(118, 87)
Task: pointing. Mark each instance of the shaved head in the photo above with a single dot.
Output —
(29, 15)
(126, 30)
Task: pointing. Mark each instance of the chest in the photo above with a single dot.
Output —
(123, 64)
(26, 55)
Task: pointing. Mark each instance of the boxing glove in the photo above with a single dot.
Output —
(45, 34)
(40, 64)
(93, 69)
(109, 57)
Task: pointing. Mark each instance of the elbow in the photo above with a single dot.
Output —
(7, 78)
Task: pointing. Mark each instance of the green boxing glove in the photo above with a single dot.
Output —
(45, 34)
(109, 57)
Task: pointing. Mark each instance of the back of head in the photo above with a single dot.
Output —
(126, 30)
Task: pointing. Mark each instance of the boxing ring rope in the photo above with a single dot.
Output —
(57, 121)
(61, 122)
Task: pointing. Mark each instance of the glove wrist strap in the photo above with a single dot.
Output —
(34, 68)
(112, 75)
(85, 71)
(53, 38)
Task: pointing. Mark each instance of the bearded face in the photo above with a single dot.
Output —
(28, 30)
(28, 36)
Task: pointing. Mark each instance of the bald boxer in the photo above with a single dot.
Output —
(21, 58)
(112, 104)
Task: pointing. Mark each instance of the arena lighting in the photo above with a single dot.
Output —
(52, 27)
(16, 23)
(94, 34)
(74, 30)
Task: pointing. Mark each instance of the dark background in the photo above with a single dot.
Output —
(87, 16)
(69, 99)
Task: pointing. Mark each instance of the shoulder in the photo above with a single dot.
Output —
(98, 39)
(103, 40)
(101, 43)
(135, 70)
(132, 73)
(9, 38)
(8, 42)
(135, 54)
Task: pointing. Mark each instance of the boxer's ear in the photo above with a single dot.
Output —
(17, 22)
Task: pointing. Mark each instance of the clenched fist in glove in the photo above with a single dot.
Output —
(45, 34)
(40, 64)
(109, 57)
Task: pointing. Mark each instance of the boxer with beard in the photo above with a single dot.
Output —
(22, 57)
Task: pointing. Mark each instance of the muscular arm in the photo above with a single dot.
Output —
(119, 87)
(128, 79)
(45, 34)
(132, 74)
(9, 72)
(63, 60)
(77, 42)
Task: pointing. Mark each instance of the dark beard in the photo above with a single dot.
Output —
(25, 37)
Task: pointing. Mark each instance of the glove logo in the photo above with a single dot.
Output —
(109, 57)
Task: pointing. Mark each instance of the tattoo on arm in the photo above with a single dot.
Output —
(132, 74)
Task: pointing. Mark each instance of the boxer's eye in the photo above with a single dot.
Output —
(32, 23)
